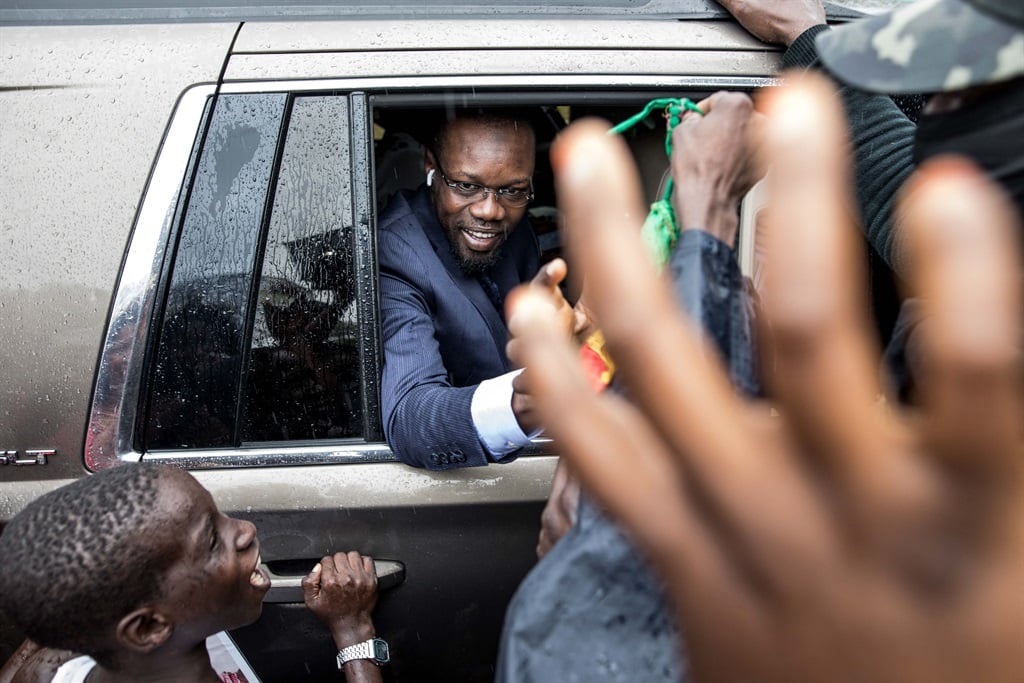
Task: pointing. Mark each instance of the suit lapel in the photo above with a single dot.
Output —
(504, 273)
(467, 284)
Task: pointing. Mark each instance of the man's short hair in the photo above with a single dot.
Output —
(79, 558)
(487, 116)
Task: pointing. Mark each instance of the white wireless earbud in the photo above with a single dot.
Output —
(430, 177)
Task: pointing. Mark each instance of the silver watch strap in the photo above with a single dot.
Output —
(363, 650)
(374, 649)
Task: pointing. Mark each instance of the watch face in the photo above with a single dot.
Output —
(380, 651)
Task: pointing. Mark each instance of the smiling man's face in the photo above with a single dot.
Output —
(493, 154)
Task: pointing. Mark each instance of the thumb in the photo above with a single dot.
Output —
(551, 274)
(311, 584)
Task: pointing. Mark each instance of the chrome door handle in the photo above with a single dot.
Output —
(289, 588)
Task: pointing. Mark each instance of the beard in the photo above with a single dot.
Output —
(475, 262)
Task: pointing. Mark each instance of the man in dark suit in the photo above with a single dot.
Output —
(449, 253)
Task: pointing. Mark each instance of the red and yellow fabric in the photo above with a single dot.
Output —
(597, 364)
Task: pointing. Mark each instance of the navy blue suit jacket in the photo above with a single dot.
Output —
(442, 335)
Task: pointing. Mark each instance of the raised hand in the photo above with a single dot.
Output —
(712, 167)
(829, 536)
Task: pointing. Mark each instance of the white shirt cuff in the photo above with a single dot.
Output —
(495, 423)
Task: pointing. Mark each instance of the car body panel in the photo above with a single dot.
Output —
(83, 118)
(140, 11)
(477, 47)
(395, 36)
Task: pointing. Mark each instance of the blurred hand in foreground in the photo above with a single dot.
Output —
(560, 512)
(837, 538)
(546, 283)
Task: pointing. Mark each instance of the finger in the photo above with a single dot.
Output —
(690, 120)
(544, 544)
(825, 364)
(314, 574)
(358, 571)
(583, 323)
(341, 561)
(617, 455)
(550, 274)
(688, 129)
(755, 141)
(369, 567)
(707, 104)
(521, 382)
(311, 582)
(512, 350)
(658, 355)
(962, 233)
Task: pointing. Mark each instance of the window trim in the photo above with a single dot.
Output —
(116, 399)
(364, 209)
(560, 83)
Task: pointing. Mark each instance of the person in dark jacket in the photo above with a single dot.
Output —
(449, 254)
(965, 57)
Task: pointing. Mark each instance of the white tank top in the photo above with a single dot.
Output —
(74, 670)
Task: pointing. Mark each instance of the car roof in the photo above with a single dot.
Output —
(135, 11)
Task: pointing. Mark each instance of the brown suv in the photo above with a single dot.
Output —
(189, 269)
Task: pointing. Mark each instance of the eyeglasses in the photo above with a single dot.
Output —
(474, 192)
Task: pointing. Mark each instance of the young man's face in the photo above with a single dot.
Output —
(216, 582)
(491, 155)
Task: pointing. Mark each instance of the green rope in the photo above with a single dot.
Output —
(659, 231)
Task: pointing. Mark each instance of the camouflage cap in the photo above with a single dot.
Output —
(929, 46)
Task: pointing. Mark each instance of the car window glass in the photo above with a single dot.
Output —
(303, 380)
(197, 369)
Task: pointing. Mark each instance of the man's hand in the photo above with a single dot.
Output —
(833, 538)
(341, 591)
(712, 164)
(776, 21)
(546, 284)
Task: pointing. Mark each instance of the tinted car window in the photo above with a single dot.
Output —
(197, 369)
(275, 357)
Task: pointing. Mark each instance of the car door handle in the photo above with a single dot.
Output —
(288, 588)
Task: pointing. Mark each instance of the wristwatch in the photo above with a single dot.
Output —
(374, 649)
